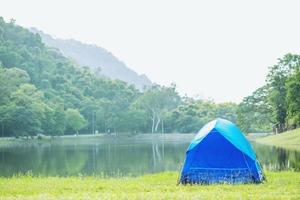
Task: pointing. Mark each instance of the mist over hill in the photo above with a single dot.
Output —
(101, 61)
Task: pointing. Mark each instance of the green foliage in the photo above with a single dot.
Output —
(276, 80)
(293, 98)
(254, 112)
(157, 102)
(275, 105)
(10, 80)
(22, 105)
(27, 109)
(193, 114)
(59, 87)
(74, 119)
(63, 84)
(54, 122)
(38, 85)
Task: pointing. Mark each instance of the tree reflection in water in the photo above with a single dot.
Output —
(118, 157)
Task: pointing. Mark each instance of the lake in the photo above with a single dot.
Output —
(117, 156)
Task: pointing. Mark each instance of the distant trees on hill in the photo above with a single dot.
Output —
(41, 91)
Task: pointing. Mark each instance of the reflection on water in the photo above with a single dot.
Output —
(118, 157)
(275, 158)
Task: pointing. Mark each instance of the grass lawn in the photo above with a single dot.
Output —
(289, 139)
(279, 185)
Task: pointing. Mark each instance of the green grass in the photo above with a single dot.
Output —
(279, 185)
(289, 139)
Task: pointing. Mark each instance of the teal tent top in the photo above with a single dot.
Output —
(230, 131)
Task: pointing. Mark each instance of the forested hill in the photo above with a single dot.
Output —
(96, 58)
(44, 92)
(41, 91)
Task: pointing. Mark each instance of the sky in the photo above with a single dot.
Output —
(218, 50)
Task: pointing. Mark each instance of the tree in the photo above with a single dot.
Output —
(156, 101)
(192, 114)
(254, 113)
(54, 122)
(75, 120)
(5, 118)
(27, 109)
(276, 81)
(227, 111)
(293, 99)
(185, 118)
(10, 80)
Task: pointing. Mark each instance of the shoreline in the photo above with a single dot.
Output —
(89, 138)
(288, 140)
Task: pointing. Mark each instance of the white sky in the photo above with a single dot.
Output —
(211, 49)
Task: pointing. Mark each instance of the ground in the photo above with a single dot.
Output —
(279, 185)
(289, 140)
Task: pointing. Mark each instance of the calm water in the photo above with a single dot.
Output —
(117, 156)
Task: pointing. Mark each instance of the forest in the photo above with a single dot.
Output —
(43, 92)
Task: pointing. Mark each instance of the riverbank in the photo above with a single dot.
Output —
(279, 185)
(96, 138)
(289, 140)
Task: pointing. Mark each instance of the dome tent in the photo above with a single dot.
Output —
(220, 153)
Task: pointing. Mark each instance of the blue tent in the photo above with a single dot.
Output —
(220, 153)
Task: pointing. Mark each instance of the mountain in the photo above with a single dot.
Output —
(96, 58)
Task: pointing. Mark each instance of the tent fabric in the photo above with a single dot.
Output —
(220, 153)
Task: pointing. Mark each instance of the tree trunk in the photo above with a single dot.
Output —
(281, 128)
(157, 123)
(153, 123)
